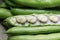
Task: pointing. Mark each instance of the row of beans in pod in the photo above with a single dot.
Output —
(27, 13)
(33, 20)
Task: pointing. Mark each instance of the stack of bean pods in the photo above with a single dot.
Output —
(31, 19)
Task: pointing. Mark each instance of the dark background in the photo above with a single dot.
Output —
(0, 0)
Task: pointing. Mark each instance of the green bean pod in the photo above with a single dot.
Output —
(34, 20)
(39, 3)
(4, 13)
(12, 4)
(9, 3)
(54, 36)
(17, 11)
(33, 30)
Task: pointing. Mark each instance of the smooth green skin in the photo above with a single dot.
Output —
(10, 3)
(39, 3)
(33, 30)
(54, 36)
(17, 11)
(4, 13)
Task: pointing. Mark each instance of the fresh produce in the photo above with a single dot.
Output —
(12, 4)
(9, 3)
(54, 36)
(21, 19)
(54, 18)
(4, 13)
(38, 3)
(33, 30)
(18, 11)
(42, 18)
(33, 20)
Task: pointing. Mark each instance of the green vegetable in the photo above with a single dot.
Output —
(12, 4)
(17, 11)
(33, 20)
(39, 3)
(9, 3)
(54, 36)
(34, 30)
(4, 13)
